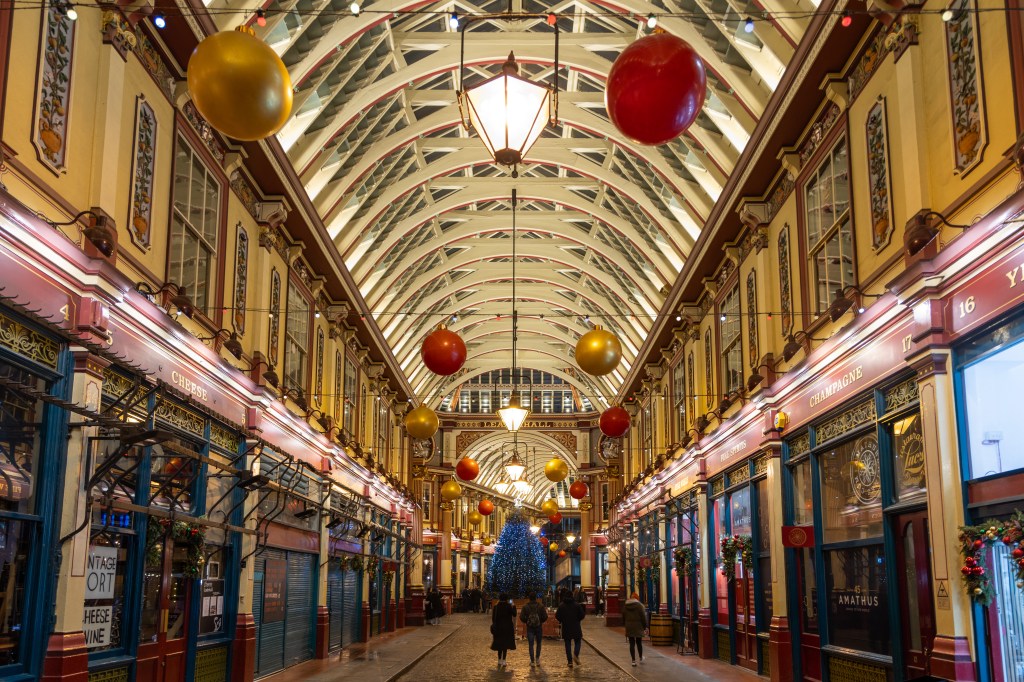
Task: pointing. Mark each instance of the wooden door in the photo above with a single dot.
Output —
(917, 612)
(810, 641)
(165, 627)
(746, 628)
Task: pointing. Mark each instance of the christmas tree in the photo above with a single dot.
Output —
(518, 564)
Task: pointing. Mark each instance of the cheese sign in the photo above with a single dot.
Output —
(96, 625)
(101, 571)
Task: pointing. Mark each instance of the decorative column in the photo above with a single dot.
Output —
(67, 657)
(953, 650)
(243, 653)
(616, 581)
(444, 559)
(586, 570)
(323, 619)
(705, 632)
(663, 569)
(779, 636)
(414, 593)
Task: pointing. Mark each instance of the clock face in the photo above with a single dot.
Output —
(609, 448)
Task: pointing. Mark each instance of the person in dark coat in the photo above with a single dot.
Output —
(634, 617)
(503, 628)
(436, 605)
(570, 615)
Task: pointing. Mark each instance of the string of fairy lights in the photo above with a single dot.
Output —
(455, 20)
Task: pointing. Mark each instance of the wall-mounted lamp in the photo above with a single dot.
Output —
(180, 300)
(842, 301)
(728, 399)
(322, 418)
(794, 346)
(97, 231)
(755, 378)
(701, 423)
(232, 345)
(297, 395)
(922, 228)
(306, 512)
(270, 376)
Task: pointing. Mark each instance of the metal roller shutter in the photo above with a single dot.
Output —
(270, 595)
(335, 602)
(300, 621)
(350, 608)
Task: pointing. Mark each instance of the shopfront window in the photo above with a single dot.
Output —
(808, 592)
(740, 517)
(173, 475)
(195, 224)
(858, 615)
(106, 569)
(803, 500)
(829, 229)
(851, 490)
(721, 582)
(908, 457)
(995, 431)
(763, 553)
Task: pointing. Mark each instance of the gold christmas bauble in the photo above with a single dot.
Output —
(450, 491)
(549, 507)
(475, 517)
(598, 352)
(553, 546)
(556, 470)
(240, 85)
(421, 423)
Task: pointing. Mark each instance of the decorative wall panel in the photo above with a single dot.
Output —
(879, 187)
(965, 89)
(753, 353)
(140, 213)
(241, 278)
(53, 101)
(275, 314)
(785, 283)
(319, 378)
(707, 368)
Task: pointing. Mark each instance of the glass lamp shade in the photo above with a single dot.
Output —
(508, 112)
(513, 416)
(514, 467)
(571, 538)
(522, 486)
(535, 529)
(502, 487)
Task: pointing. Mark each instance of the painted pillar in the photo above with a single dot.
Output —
(110, 132)
(779, 636)
(953, 648)
(705, 632)
(364, 579)
(66, 655)
(616, 579)
(586, 570)
(323, 622)
(444, 559)
(243, 655)
(414, 593)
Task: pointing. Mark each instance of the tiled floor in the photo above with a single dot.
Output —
(459, 651)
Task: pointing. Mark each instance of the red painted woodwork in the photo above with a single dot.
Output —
(400, 618)
(163, 660)
(414, 613)
(67, 658)
(323, 628)
(367, 620)
(951, 659)
(780, 650)
(705, 634)
(810, 642)
(392, 616)
(746, 628)
(613, 608)
(916, 566)
(243, 653)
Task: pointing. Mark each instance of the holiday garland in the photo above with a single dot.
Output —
(191, 535)
(356, 564)
(684, 559)
(974, 544)
(741, 545)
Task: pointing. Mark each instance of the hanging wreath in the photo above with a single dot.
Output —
(344, 562)
(154, 540)
(193, 537)
(371, 565)
(684, 559)
(389, 576)
(737, 545)
(356, 563)
(974, 544)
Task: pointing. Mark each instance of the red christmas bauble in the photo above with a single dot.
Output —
(544, 541)
(467, 469)
(970, 561)
(579, 550)
(614, 422)
(578, 490)
(555, 518)
(656, 88)
(443, 351)
(561, 552)
(1007, 540)
(1018, 553)
(486, 507)
(978, 544)
(966, 570)
(977, 570)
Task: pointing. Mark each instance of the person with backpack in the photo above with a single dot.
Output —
(570, 615)
(634, 618)
(534, 614)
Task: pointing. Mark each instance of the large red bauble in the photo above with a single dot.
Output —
(655, 89)
(467, 469)
(486, 507)
(578, 490)
(614, 422)
(443, 351)
(555, 518)
(544, 541)
(561, 552)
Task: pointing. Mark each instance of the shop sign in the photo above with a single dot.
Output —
(96, 624)
(798, 536)
(101, 572)
(942, 595)
(275, 578)
(52, 301)
(855, 601)
(738, 447)
(876, 359)
(1000, 287)
(213, 606)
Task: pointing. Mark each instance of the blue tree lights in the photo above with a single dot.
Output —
(518, 565)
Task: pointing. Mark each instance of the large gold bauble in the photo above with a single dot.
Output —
(450, 491)
(549, 506)
(240, 85)
(553, 546)
(475, 517)
(421, 423)
(598, 352)
(556, 470)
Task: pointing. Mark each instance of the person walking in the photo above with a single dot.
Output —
(534, 614)
(634, 618)
(436, 605)
(570, 615)
(599, 602)
(503, 628)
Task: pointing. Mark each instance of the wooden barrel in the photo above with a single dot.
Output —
(661, 629)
